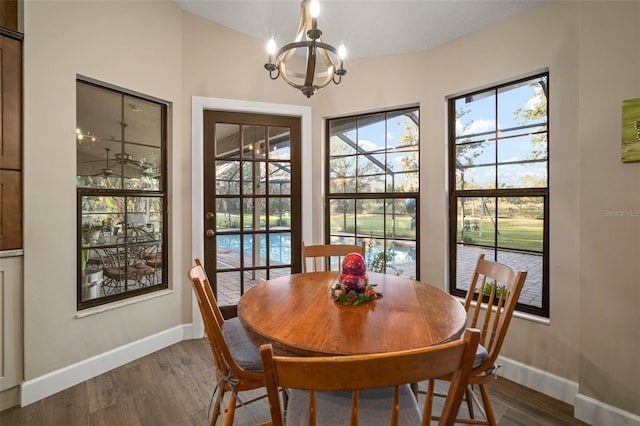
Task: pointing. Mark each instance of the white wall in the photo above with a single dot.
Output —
(133, 45)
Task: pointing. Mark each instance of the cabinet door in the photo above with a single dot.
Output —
(10, 209)
(10, 322)
(11, 103)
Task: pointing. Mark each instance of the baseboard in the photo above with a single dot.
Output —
(56, 381)
(595, 412)
(586, 409)
(539, 380)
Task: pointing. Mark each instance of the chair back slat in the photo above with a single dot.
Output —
(321, 254)
(505, 285)
(361, 372)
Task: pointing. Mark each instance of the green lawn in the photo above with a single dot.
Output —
(515, 233)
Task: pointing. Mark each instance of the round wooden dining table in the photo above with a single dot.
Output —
(297, 315)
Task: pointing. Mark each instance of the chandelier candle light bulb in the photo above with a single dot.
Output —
(321, 58)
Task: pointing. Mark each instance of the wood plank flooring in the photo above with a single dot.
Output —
(173, 387)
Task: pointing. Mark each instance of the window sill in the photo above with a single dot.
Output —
(120, 303)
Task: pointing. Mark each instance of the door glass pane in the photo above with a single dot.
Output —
(260, 218)
(279, 178)
(254, 250)
(248, 175)
(250, 215)
(279, 212)
(228, 250)
(227, 140)
(227, 213)
(279, 143)
(228, 287)
(253, 142)
(227, 177)
(260, 178)
(279, 248)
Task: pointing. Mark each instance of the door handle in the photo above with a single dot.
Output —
(210, 215)
(210, 233)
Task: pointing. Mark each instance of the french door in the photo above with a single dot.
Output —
(252, 200)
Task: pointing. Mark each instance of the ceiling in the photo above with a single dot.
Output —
(368, 28)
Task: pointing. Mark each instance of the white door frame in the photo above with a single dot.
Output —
(198, 105)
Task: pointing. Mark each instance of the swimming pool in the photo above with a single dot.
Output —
(280, 247)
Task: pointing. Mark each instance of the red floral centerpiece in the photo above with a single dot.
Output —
(353, 286)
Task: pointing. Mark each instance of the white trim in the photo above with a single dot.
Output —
(120, 303)
(198, 105)
(58, 380)
(11, 253)
(539, 380)
(595, 412)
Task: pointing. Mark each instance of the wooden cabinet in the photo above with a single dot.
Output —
(10, 139)
(10, 209)
(9, 14)
(11, 103)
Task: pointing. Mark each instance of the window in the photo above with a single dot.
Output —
(498, 180)
(372, 187)
(121, 194)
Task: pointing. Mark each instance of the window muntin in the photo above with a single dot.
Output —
(373, 187)
(499, 179)
(120, 180)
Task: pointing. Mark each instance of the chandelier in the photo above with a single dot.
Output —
(321, 58)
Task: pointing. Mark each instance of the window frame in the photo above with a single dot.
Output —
(160, 194)
(497, 193)
(384, 196)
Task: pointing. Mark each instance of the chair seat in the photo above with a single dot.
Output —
(333, 408)
(481, 356)
(131, 272)
(243, 351)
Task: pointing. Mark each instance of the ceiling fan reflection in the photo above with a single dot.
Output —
(107, 171)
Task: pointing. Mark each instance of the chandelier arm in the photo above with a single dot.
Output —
(299, 35)
(311, 64)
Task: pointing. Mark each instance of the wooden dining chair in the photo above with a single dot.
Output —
(323, 253)
(498, 286)
(237, 359)
(370, 389)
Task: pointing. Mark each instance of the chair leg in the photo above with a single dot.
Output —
(469, 399)
(217, 406)
(428, 400)
(491, 418)
(231, 411)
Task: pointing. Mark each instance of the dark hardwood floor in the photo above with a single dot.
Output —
(173, 387)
